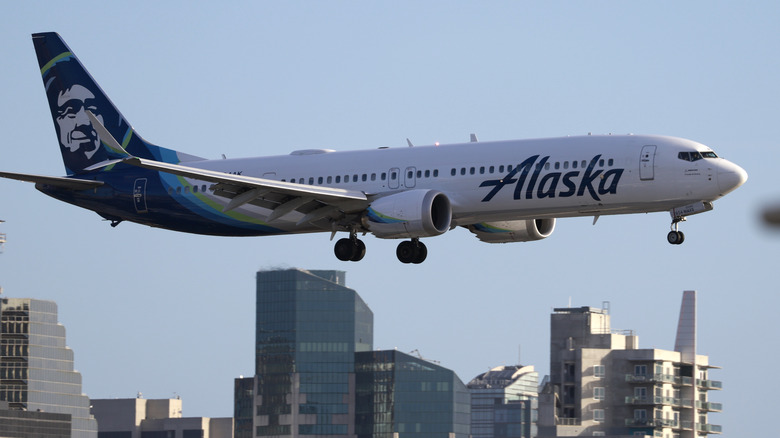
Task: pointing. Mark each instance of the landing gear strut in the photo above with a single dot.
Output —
(676, 237)
(411, 251)
(350, 249)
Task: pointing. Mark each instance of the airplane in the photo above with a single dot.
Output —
(501, 191)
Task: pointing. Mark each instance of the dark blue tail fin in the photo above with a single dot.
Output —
(71, 92)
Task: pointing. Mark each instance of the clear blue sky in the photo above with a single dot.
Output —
(162, 313)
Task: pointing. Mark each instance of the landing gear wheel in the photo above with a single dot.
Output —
(405, 251)
(675, 237)
(345, 250)
(360, 251)
(411, 251)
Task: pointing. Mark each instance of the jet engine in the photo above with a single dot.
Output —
(513, 231)
(413, 213)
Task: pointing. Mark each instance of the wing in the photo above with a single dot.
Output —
(57, 181)
(315, 202)
(282, 198)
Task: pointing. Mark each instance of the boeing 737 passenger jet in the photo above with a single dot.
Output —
(502, 191)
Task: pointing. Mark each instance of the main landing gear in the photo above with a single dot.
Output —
(676, 237)
(411, 251)
(350, 249)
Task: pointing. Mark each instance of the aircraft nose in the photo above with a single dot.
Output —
(730, 176)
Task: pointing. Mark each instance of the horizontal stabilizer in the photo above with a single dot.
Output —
(56, 181)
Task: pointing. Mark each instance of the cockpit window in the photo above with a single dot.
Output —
(695, 156)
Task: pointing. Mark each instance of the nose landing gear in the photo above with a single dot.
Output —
(676, 237)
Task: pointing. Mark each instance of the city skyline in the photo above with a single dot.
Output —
(275, 78)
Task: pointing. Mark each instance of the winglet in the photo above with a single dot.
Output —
(113, 147)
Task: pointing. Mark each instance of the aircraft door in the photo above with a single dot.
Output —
(393, 177)
(410, 179)
(139, 195)
(647, 163)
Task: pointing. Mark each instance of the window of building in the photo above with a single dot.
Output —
(599, 371)
(640, 370)
(599, 393)
(640, 393)
(598, 415)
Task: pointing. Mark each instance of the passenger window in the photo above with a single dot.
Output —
(435, 173)
(609, 163)
(373, 177)
(194, 189)
(546, 166)
(472, 171)
(364, 178)
(338, 179)
(565, 164)
(319, 180)
(384, 176)
(557, 165)
(311, 180)
(601, 162)
(573, 164)
(178, 190)
(584, 164)
(491, 169)
(453, 172)
(482, 170)
(330, 179)
(186, 189)
(354, 178)
(501, 169)
(419, 174)
(462, 170)
(393, 176)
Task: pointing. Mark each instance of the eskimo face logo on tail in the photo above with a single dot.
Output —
(71, 93)
(596, 182)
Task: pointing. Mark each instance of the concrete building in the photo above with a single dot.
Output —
(504, 402)
(36, 366)
(161, 418)
(602, 384)
(312, 332)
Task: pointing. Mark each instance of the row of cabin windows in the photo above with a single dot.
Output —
(364, 177)
(557, 165)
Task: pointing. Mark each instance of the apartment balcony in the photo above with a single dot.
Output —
(709, 384)
(659, 400)
(709, 428)
(650, 378)
(651, 422)
(709, 406)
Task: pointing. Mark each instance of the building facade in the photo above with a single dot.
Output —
(161, 418)
(399, 395)
(602, 384)
(36, 366)
(504, 403)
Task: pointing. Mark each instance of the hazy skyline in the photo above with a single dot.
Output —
(160, 312)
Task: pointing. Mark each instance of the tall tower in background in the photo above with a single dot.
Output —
(36, 366)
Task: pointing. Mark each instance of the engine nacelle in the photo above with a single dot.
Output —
(414, 213)
(513, 231)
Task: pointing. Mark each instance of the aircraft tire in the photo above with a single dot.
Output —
(405, 252)
(420, 253)
(345, 250)
(675, 237)
(360, 250)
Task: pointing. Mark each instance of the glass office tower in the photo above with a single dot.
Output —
(36, 367)
(408, 396)
(309, 326)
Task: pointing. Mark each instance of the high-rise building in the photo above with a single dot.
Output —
(309, 326)
(315, 368)
(36, 367)
(602, 384)
(399, 395)
(504, 402)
